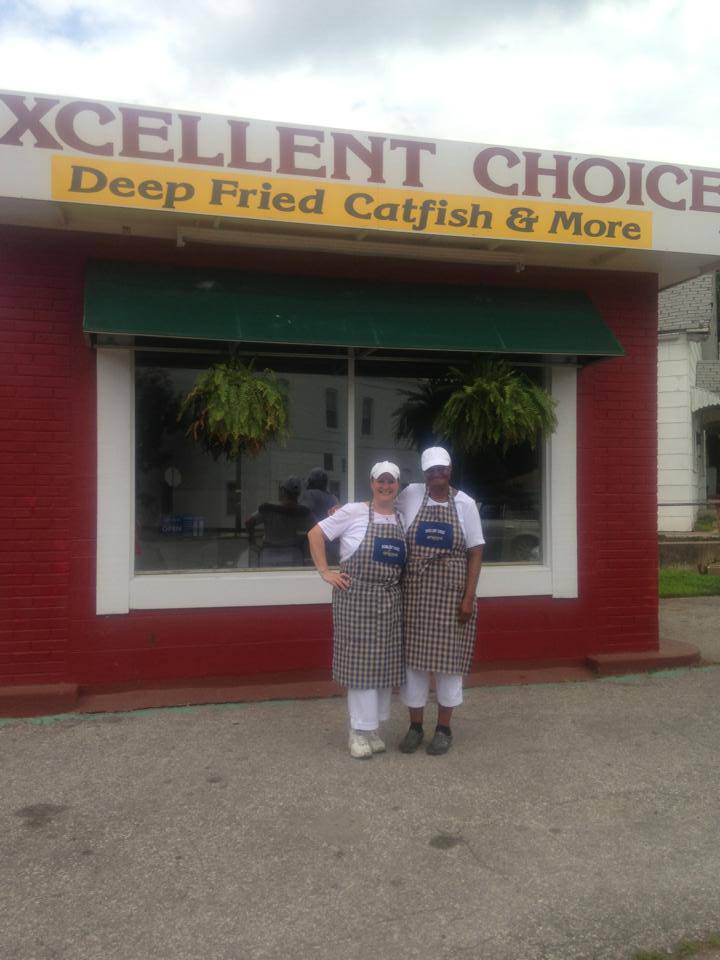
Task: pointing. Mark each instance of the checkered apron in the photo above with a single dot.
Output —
(433, 587)
(367, 617)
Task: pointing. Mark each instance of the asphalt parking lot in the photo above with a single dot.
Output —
(574, 820)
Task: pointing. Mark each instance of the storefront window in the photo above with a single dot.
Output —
(194, 513)
(506, 486)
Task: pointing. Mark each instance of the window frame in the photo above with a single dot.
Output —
(119, 590)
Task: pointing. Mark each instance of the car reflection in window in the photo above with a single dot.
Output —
(512, 533)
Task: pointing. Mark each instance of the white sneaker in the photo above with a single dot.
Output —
(377, 745)
(359, 745)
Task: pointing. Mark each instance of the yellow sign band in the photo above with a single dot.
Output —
(244, 196)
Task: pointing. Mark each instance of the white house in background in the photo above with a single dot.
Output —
(688, 401)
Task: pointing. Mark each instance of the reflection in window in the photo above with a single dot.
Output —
(366, 421)
(331, 409)
(507, 487)
(195, 513)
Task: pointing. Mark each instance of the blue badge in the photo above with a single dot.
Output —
(389, 550)
(439, 536)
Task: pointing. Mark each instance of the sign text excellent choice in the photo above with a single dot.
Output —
(516, 192)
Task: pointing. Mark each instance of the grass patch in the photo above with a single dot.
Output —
(705, 522)
(680, 582)
(709, 947)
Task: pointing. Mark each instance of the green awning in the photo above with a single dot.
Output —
(207, 304)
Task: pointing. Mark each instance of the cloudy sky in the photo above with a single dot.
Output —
(630, 78)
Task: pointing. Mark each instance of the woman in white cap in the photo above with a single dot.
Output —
(444, 544)
(367, 604)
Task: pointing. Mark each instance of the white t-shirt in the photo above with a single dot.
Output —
(410, 500)
(350, 523)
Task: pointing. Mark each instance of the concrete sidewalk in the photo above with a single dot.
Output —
(576, 820)
(695, 620)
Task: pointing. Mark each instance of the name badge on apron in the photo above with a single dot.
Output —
(439, 536)
(389, 550)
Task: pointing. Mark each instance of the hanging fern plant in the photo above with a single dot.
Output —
(494, 405)
(488, 406)
(233, 409)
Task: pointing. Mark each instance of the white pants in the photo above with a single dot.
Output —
(368, 708)
(448, 687)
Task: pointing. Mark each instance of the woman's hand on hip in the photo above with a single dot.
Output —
(340, 581)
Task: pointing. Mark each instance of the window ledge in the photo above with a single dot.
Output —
(250, 588)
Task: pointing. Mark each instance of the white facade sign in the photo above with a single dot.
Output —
(114, 155)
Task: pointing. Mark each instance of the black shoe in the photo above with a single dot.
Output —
(440, 743)
(411, 741)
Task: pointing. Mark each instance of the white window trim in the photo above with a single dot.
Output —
(119, 591)
(115, 481)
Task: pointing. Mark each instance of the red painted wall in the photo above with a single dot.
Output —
(48, 628)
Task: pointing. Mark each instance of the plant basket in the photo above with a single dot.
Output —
(488, 406)
(234, 409)
(494, 406)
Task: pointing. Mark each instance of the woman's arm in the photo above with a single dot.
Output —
(316, 542)
(474, 563)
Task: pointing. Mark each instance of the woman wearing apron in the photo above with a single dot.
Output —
(444, 542)
(367, 604)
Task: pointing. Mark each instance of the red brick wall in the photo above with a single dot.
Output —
(47, 454)
(49, 631)
(617, 485)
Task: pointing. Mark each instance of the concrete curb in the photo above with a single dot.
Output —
(50, 699)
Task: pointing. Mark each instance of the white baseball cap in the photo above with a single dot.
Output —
(384, 466)
(434, 457)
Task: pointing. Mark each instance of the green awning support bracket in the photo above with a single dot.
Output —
(206, 304)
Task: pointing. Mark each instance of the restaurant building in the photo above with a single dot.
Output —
(138, 246)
